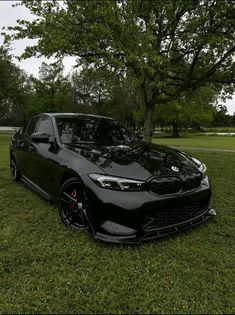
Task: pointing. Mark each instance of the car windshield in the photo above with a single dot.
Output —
(101, 131)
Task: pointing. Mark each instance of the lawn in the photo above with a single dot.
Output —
(212, 142)
(47, 268)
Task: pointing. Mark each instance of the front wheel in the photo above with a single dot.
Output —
(72, 204)
(15, 175)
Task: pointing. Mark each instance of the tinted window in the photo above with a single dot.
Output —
(102, 131)
(23, 129)
(45, 125)
(31, 126)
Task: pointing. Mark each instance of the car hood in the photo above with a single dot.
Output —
(141, 161)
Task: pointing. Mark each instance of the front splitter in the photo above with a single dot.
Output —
(143, 236)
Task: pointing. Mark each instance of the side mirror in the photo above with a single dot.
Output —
(40, 137)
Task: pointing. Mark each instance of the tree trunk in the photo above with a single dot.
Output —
(52, 99)
(148, 122)
(175, 129)
(3, 108)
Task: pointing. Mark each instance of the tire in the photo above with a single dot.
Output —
(72, 204)
(15, 174)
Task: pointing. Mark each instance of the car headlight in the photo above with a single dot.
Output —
(117, 183)
(201, 167)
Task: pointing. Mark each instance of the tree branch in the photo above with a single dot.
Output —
(194, 62)
(217, 65)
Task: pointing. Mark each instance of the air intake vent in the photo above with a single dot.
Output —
(166, 217)
(192, 181)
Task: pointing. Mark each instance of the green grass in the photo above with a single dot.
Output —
(47, 268)
(213, 142)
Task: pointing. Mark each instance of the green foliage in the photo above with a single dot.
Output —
(124, 101)
(52, 87)
(50, 93)
(233, 120)
(14, 87)
(91, 89)
(100, 91)
(194, 109)
(162, 42)
(164, 48)
(138, 117)
(221, 118)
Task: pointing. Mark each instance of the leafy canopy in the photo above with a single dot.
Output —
(167, 46)
(164, 48)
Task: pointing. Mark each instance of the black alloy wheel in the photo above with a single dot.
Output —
(15, 175)
(73, 204)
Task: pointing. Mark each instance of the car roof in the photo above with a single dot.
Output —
(74, 115)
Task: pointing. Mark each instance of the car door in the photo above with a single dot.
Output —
(43, 155)
(23, 149)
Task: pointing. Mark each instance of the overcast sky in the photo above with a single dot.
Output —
(8, 17)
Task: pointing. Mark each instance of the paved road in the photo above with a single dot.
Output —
(205, 149)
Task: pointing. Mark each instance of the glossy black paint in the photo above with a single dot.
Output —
(44, 163)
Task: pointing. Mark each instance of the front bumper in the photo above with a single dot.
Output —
(143, 236)
(135, 217)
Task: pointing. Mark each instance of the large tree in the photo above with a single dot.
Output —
(14, 88)
(163, 47)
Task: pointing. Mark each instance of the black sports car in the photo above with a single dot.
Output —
(107, 181)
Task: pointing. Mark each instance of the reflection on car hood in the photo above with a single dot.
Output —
(140, 161)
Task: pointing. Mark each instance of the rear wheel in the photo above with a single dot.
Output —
(15, 175)
(73, 204)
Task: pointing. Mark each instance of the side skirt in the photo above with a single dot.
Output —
(37, 189)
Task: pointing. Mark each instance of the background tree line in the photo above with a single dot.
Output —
(99, 91)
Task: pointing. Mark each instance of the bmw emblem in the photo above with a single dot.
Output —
(175, 169)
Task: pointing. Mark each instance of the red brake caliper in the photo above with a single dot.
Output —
(74, 195)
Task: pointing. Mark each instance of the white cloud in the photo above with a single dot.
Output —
(8, 17)
(230, 104)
